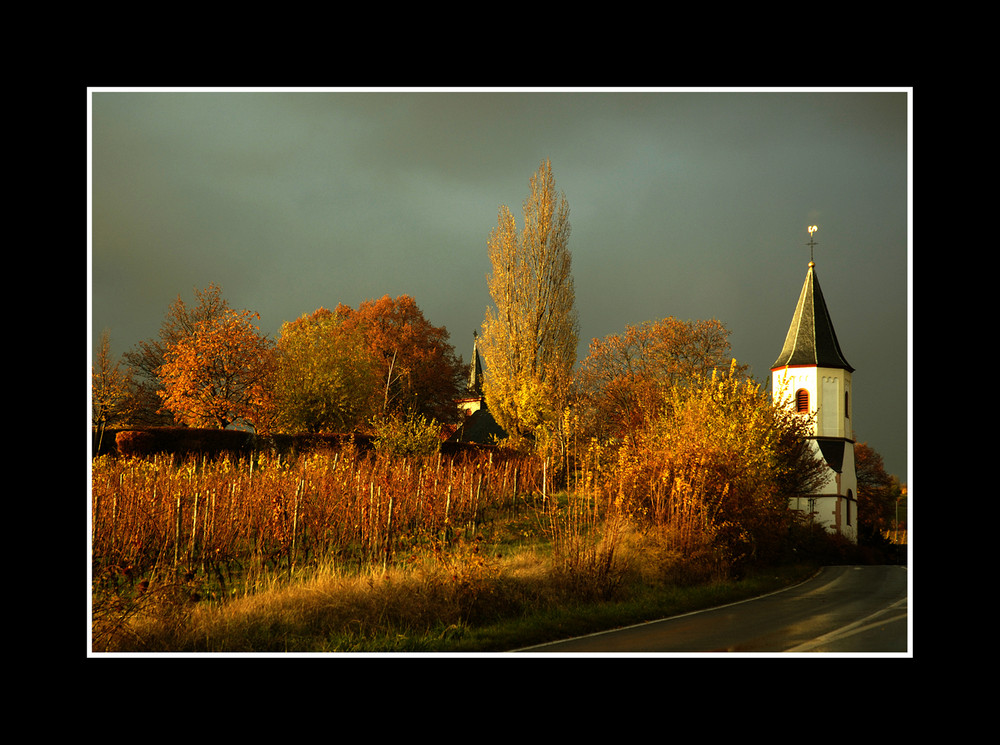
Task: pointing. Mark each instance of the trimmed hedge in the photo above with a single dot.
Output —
(214, 442)
(187, 440)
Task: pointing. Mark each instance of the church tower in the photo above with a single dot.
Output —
(812, 375)
(478, 425)
(474, 399)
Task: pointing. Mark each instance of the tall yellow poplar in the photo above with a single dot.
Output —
(530, 334)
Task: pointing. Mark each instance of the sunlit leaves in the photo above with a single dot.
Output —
(324, 376)
(406, 435)
(717, 465)
(626, 377)
(145, 359)
(530, 334)
(416, 364)
(214, 376)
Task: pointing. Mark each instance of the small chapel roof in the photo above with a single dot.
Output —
(479, 427)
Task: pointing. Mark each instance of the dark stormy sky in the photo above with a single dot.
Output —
(686, 203)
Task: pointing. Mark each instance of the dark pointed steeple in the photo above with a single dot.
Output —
(476, 369)
(811, 339)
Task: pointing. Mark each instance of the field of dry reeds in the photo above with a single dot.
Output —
(219, 528)
(227, 516)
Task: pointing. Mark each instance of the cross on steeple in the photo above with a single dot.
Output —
(811, 243)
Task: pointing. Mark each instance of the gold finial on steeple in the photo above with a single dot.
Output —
(811, 243)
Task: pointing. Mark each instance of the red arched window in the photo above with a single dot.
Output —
(802, 401)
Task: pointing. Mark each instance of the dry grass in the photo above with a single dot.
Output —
(434, 596)
(430, 602)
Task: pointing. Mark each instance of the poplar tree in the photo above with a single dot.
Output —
(530, 334)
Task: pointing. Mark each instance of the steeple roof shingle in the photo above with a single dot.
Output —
(811, 339)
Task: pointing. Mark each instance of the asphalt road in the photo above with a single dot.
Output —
(843, 609)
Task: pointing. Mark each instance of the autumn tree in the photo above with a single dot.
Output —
(325, 377)
(877, 493)
(218, 373)
(112, 401)
(145, 359)
(530, 334)
(716, 467)
(626, 377)
(414, 361)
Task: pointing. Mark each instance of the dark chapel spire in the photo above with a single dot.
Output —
(811, 339)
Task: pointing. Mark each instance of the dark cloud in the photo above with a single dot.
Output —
(691, 204)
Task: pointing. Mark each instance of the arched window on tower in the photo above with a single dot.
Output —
(802, 401)
(847, 401)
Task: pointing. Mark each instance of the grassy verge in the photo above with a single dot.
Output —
(643, 604)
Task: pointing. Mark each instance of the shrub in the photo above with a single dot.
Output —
(411, 435)
(715, 468)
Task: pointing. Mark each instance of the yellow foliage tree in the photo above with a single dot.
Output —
(717, 467)
(530, 334)
(324, 376)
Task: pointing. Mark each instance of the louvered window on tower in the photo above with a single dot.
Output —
(802, 401)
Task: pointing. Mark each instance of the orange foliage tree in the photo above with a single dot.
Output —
(877, 493)
(217, 374)
(144, 360)
(626, 377)
(416, 364)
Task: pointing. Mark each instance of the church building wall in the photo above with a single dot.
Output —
(829, 391)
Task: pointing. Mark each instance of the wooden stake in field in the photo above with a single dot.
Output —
(177, 527)
(194, 529)
(388, 536)
(295, 523)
